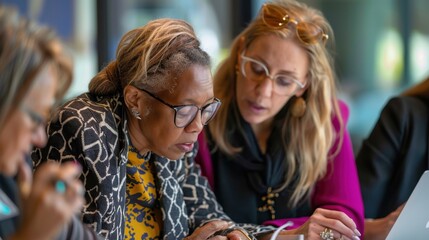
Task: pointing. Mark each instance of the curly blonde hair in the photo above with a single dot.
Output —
(310, 137)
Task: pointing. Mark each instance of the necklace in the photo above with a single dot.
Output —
(270, 200)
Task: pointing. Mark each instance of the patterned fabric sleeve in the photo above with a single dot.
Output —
(76, 135)
(201, 201)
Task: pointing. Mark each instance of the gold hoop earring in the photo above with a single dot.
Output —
(299, 106)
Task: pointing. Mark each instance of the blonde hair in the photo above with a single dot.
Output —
(147, 55)
(311, 136)
(26, 48)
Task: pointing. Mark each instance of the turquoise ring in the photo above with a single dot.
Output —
(60, 186)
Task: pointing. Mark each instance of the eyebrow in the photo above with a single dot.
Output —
(281, 72)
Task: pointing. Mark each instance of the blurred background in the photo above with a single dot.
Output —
(382, 46)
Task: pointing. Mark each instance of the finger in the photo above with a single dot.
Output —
(74, 195)
(341, 216)
(218, 237)
(25, 179)
(325, 233)
(208, 229)
(69, 171)
(45, 172)
(338, 221)
(238, 235)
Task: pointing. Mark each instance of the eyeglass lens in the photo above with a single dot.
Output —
(186, 114)
(257, 71)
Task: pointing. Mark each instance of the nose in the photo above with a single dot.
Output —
(196, 125)
(39, 137)
(265, 87)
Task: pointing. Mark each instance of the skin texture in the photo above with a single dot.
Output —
(20, 133)
(157, 128)
(257, 103)
(44, 211)
(156, 131)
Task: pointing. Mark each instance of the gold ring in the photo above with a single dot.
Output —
(327, 234)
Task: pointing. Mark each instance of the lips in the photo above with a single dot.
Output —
(256, 108)
(185, 147)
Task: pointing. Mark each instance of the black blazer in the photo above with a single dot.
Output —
(395, 155)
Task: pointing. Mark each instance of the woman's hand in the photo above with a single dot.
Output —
(341, 226)
(54, 197)
(377, 229)
(217, 230)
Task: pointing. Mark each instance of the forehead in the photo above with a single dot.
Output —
(278, 52)
(42, 92)
(193, 85)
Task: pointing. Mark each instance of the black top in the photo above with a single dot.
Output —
(395, 155)
(251, 173)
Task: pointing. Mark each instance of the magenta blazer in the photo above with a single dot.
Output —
(338, 190)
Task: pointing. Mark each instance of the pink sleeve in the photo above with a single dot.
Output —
(204, 159)
(339, 189)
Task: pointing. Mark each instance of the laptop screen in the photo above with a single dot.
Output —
(413, 221)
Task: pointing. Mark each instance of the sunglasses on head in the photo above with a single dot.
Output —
(277, 17)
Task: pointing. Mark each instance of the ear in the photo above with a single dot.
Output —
(132, 97)
(301, 91)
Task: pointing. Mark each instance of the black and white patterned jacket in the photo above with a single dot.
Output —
(92, 131)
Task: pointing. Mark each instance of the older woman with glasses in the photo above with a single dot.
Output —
(135, 133)
(278, 151)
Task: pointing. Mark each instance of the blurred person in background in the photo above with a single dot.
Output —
(278, 149)
(34, 73)
(393, 158)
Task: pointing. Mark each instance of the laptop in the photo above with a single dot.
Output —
(413, 221)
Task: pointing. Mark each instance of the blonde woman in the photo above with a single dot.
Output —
(278, 150)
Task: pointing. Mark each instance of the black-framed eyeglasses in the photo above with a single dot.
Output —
(185, 114)
(256, 71)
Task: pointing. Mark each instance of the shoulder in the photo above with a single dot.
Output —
(405, 103)
(87, 107)
(402, 107)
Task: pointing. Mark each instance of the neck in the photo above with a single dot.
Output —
(137, 139)
(262, 131)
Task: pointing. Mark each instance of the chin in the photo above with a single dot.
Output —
(175, 156)
(170, 155)
(8, 169)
